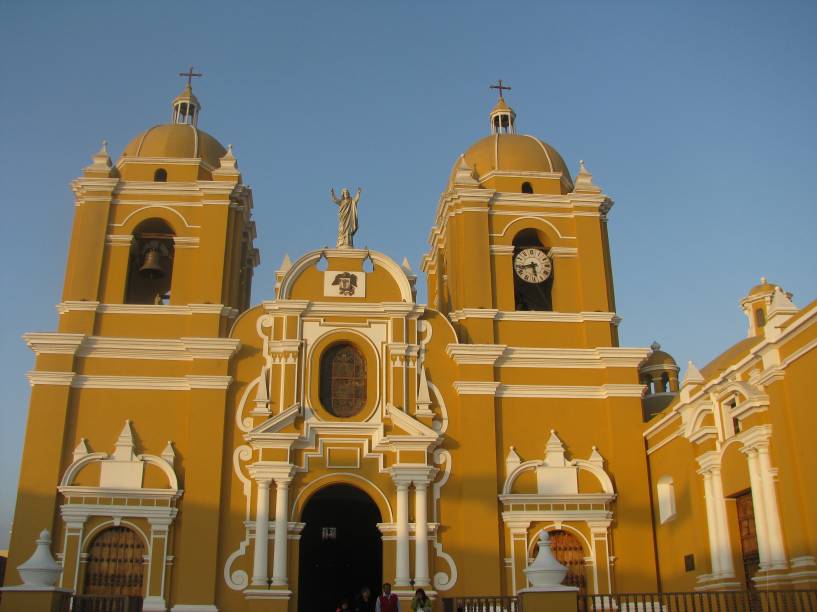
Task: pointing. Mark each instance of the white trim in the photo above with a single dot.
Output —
(151, 309)
(469, 387)
(41, 377)
(163, 383)
(534, 315)
(570, 392)
(53, 343)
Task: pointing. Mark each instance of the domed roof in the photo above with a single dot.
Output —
(514, 153)
(178, 140)
(658, 358)
(764, 288)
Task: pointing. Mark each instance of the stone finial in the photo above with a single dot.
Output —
(465, 176)
(124, 448)
(596, 458)
(286, 264)
(555, 451)
(693, 375)
(101, 161)
(545, 573)
(655, 346)
(762, 280)
(407, 266)
(584, 181)
(81, 450)
(41, 569)
(169, 455)
(512, 460)
(423, 394)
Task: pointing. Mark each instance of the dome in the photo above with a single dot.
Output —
(177, 140)
(514, 153)
(764, 288)
(658, 358)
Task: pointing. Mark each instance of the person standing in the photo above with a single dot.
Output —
(421, 602)
(365, 602)
(387, 602)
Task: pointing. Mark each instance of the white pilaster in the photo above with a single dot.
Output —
(761, 524)
(421, 576)
(279, 562)
(777, 552)
(402, 577)
(259, 567)
(727, 568)
(711, 524)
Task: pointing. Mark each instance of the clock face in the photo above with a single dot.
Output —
(532, 265)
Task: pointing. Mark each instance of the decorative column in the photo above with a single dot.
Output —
(759, 507)
(279, 562)
(402, 577)
(421, 576)
(155, 588)
(727, 568)
(777, 552)
(259, 567)
(72, 548)
(711, 523)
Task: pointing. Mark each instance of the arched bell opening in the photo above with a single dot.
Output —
(532, 271)
(341, 548)
(116, 563)
(150, 265)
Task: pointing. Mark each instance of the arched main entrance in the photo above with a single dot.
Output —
(116, 563)
(341, 548)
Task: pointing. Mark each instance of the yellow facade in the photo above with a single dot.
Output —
(168, 405)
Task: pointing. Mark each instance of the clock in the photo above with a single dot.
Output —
(532, 265)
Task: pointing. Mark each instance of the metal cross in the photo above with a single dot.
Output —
(190, 74)
(500, 87)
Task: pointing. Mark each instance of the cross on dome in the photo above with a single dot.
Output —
(503, 119)
(190, 74)
(186, 107)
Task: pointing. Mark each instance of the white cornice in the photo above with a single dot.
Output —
(475, 354)
(570, 392)
(307, 308)
(184, 349)
(547, 391)
(52, 343)
(40, 377)
(534, 315)
(151, 309)
(153, 383)
(603, 357)
(468, 387)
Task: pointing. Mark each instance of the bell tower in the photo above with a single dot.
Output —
(519, 250)
(167, 231)
(159, 266)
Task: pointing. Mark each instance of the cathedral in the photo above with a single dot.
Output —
(205, 454)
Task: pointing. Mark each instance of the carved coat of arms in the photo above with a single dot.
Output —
(347, 283)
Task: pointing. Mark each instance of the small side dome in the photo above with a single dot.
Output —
(659, 375)
(658, 358)
(763, 289)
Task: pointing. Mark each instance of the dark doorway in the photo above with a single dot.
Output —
(341, 548)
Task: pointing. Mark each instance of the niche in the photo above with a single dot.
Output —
(150, 265)
(532, 272)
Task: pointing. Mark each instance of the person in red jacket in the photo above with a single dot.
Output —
(387, 602)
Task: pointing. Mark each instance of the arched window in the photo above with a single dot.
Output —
(760, 317)
(666, 499)
(343, 380)
(160, 176)
(664, 382)
(527, 187)
(150, 268)
(116, 563)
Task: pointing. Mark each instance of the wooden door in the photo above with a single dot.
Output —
(568, 551)
(115, 563)
(748, 536)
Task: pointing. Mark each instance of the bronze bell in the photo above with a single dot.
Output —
(152, 265)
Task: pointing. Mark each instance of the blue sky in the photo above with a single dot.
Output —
(696, 117)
